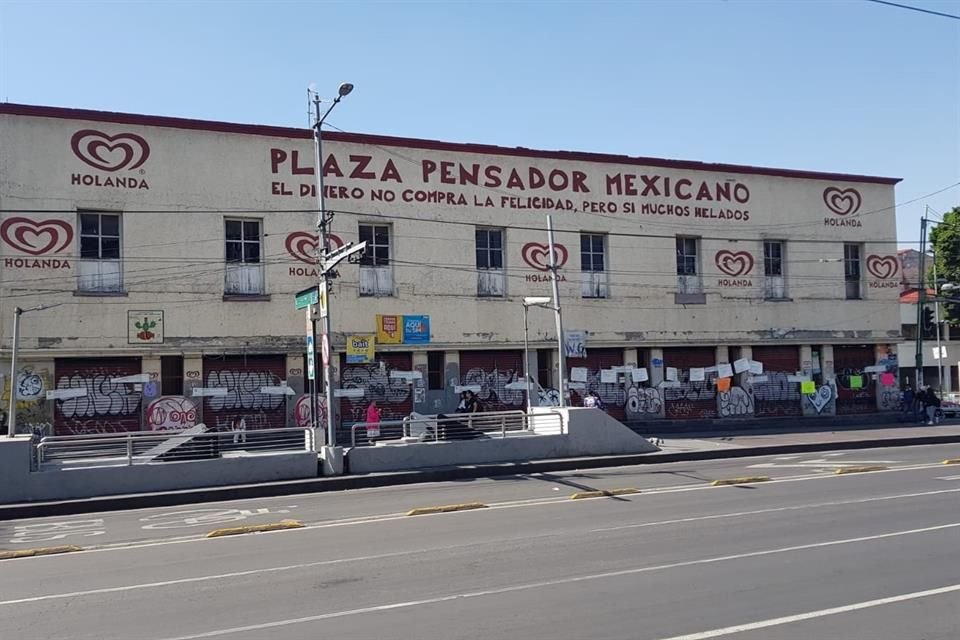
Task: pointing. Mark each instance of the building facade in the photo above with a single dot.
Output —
(167, 253)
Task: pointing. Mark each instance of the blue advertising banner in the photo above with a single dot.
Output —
(416, 329)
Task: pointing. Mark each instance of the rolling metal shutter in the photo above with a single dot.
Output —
(242, 377)
(613, 395)
(394, 396)
(108, 407)
(777, 396)
(850, 361)
(690, 400)
(492, 371)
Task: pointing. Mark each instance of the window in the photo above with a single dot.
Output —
(851, 270)
(377, 237)
(171, 375)
(773, 258)
(244, 272)
(593, 265)
(689, 285)
(435, 372)
(100, 265)
(774, 287)
(686, 256)
(376, 275)
(490, 276)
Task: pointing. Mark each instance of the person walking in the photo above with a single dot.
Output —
(920, 404)
(908, 403)
(373, 420)
(932, 405)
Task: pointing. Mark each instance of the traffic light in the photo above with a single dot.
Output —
(929, 322)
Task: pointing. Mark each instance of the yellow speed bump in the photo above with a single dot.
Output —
(256, 528)
(466, 506)
(581, 495)
(41, 551)
(952, 461)
(744, 480)
(846, 470)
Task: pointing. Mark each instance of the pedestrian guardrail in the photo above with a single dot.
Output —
(460, 426)
(143, 447)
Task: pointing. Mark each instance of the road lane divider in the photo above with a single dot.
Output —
(744, 480)
(952, 461)
(465, 506)
(845, 470)
(600, 493)
(40, 551)
(256, 528)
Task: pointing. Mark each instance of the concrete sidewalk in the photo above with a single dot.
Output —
(738, 444)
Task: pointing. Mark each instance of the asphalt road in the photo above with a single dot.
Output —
(809, 555)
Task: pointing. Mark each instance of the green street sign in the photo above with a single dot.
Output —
(307, 297)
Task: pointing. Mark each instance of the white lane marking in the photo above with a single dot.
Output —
(819, 463)
(738, 514)
(48, 530)
(376, 519)
(774, 622)
(433, 550)
(551, 583)
(949, 478)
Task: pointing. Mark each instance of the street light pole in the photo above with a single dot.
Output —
(12, 409)
(936, 320)
(533, 301)
(562, 360)
(323, 221)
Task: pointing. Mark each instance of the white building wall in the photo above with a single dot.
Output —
(183, 178)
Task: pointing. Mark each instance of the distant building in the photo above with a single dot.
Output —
(171, 250)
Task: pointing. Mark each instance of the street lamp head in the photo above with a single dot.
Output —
(345, 89)
(534, 301)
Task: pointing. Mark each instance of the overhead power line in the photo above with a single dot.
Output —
(917, 9)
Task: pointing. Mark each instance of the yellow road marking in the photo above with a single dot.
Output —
(256, 528)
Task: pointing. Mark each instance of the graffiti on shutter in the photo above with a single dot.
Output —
(108, 406)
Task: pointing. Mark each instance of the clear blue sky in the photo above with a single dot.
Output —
(843, 85)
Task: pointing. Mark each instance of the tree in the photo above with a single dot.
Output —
(945, 242)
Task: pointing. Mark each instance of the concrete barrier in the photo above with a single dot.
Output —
(587, 432)
(19, 484)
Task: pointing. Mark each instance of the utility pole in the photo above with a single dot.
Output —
(921, 299)
(554, 269)
(327, 259)
(14, 349)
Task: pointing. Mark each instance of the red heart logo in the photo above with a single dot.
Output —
(537, 255)
(882, 267)
(302, 245)
(24, 234)
(734, 263)
(841, 201)
(110, 153)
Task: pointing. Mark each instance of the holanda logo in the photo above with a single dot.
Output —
(842, 201)
(110, 153)
(882, 267)
(538, 255)
(734, 263)
(36, 238)
(303, 245)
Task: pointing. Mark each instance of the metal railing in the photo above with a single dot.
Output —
(460, 426)
(143, 447)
